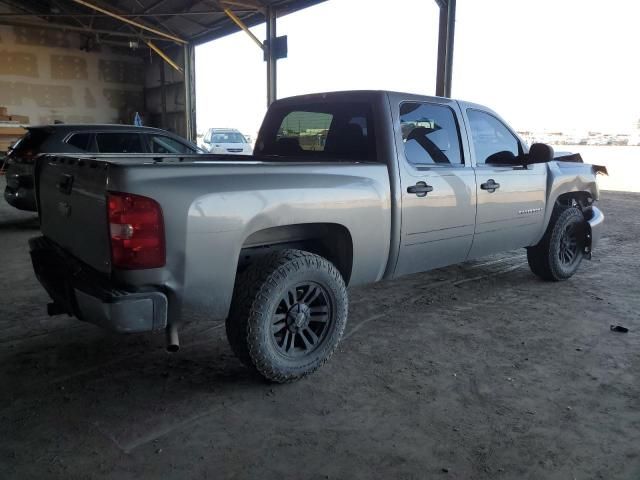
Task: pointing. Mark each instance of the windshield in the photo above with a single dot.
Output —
(228, 137)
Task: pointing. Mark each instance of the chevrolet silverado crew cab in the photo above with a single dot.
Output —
(344, 188)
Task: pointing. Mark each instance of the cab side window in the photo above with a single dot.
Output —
(430, 134)
(493, 142)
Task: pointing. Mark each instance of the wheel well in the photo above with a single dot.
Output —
(329, 240)
(582, 199)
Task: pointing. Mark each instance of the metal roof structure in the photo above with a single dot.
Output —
(194, 21)
(170, 26)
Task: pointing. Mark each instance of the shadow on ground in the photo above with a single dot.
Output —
(479, 369)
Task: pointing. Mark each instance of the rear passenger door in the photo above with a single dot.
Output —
(511, 196)
(437, 184)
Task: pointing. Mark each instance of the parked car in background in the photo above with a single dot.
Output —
(227, 141)
(77, 139)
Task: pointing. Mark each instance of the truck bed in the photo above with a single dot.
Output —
(211, 209)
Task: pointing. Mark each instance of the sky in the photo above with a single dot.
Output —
(544, 65)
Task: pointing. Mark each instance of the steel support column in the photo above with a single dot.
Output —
(163, 97)
(190, 92)
(446, 35)
(272, 77)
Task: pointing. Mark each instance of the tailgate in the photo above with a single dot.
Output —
(72, 205)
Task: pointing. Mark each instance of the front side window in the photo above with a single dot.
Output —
(162, 144)
(430, 134)
(334, 130)
(492, 140)
(119, 142)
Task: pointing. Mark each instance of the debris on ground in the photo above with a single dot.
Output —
(619, 328)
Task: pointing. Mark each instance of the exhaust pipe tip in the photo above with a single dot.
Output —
(173, 342)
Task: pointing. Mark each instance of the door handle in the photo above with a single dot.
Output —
(490, 186)
(420, 189)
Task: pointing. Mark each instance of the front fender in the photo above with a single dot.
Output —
(565, 178)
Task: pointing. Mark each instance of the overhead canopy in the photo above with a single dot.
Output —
(172, 28)
(194, 21)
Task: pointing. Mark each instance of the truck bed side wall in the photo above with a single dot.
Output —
(210, 211)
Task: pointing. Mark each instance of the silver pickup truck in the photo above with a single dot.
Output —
(343, 188)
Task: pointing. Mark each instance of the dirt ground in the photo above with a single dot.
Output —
(478, 371)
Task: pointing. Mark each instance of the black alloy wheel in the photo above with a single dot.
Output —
(302, 320)
(288, 314)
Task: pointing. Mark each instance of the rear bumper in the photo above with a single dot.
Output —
(87, 295)
(596, 222)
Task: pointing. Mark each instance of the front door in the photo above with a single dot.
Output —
(438, 187)
(511, 197)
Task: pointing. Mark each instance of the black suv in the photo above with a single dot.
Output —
(80, 138)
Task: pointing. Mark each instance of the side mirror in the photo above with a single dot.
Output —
(540, 153)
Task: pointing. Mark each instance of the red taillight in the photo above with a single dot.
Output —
(137, 231)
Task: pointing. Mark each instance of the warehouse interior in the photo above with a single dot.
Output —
(102, 62)
(77, 61)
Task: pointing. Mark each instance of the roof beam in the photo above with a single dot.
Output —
(241, 24)
(244, 4)
(130, 22)
(72, 28)
(128, 15)
(164, 56)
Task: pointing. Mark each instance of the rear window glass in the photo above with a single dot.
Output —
(80, 140)
(31, 142)
(310, 128)
(332, 131)
(119, 143)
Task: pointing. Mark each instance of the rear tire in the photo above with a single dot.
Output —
(288, 314)
(559, 254)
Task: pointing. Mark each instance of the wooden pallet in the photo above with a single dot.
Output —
(11, 128)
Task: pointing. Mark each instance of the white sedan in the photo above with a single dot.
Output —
(226, 141)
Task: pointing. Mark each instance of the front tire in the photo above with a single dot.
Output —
(288, 314)
(559, 254)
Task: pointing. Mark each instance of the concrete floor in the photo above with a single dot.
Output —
(471, 372)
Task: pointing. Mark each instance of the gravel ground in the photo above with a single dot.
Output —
(478, 371)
